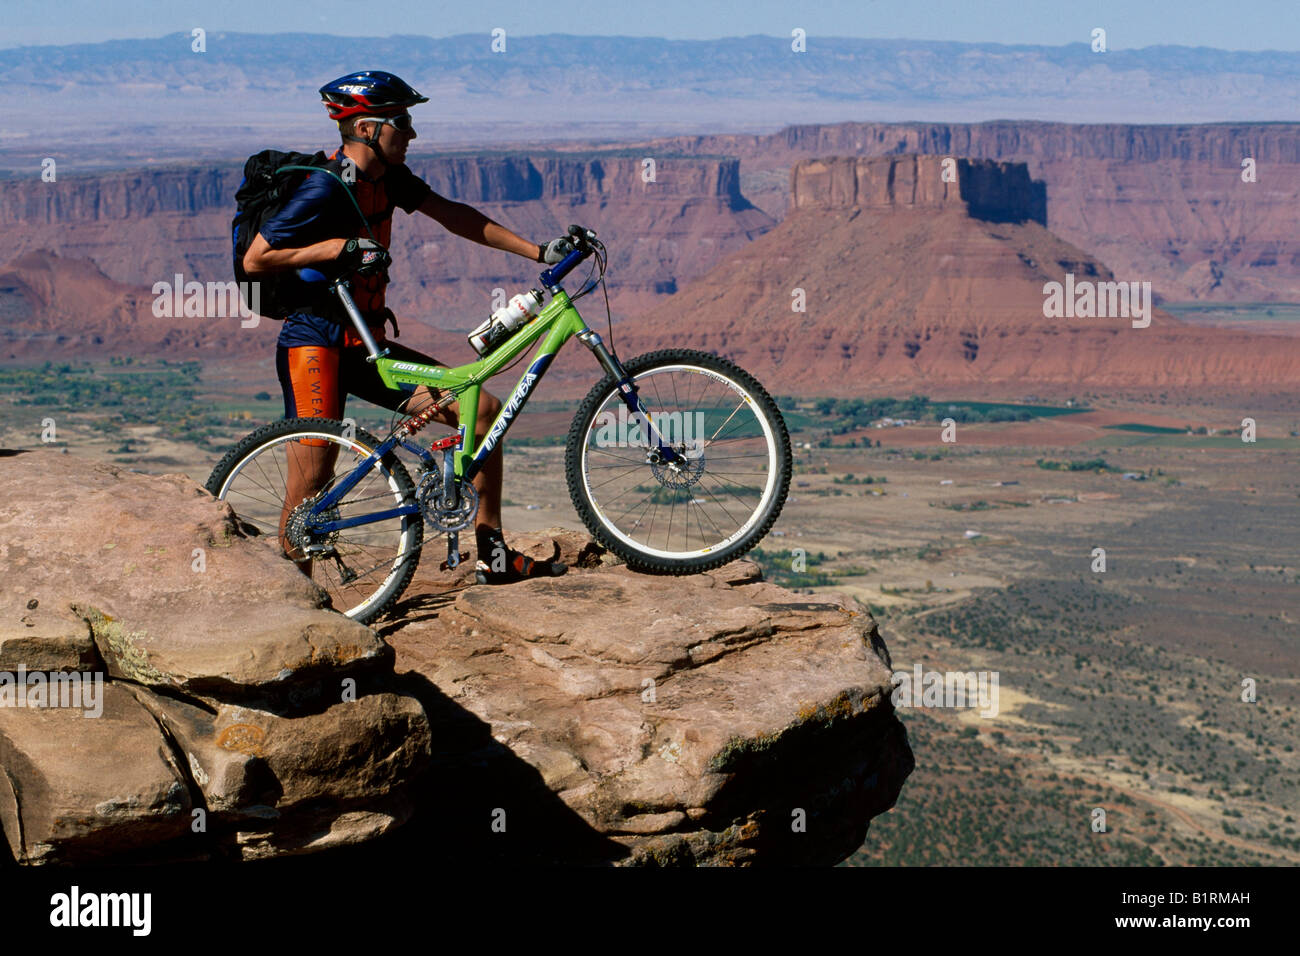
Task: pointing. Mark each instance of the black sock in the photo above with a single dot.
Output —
(500, 559)
(488, 540)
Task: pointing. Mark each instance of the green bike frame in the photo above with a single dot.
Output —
(558, 321)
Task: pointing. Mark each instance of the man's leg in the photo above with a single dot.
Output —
(497, 563)
(309, 379)
(309, 468)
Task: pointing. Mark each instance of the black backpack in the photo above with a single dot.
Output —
(270, 178)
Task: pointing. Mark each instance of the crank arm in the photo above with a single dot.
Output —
(450, 485)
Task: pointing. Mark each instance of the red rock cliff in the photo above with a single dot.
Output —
(1164, 202)
(143, 227)
(998, 192)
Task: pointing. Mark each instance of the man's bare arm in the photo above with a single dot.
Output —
(469, 223)
(261, 258)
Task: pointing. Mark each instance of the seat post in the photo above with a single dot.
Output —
(340, 288)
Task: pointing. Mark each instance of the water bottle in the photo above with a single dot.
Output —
(497, 327)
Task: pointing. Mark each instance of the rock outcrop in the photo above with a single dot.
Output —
(144, 227)
(1168, 203)
(714, 718)
(883, 273)
(226, 688)
(995, 192)
(604, 717)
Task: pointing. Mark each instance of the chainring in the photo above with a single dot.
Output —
(428, 495)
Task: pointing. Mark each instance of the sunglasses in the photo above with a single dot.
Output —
(400, 122)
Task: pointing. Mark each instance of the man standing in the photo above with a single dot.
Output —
(319, 358)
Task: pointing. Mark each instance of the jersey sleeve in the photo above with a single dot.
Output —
(406, 190)
(305, 217)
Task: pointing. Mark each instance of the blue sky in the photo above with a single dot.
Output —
(1129, 24)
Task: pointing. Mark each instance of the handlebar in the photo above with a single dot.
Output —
(582, 248)
(583, 240)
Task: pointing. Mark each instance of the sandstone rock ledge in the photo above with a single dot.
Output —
(224, 729)
(605, 717)
(707, 719)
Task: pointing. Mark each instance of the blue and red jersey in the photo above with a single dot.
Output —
(319, 210)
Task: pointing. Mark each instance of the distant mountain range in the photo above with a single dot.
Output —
(159, 91)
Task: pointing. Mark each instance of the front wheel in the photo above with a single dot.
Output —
(709, 506)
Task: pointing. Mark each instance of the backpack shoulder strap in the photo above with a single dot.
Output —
(333, 167)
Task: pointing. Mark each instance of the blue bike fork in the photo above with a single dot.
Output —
(627, 392)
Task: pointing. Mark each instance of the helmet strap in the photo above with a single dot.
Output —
(372, 141)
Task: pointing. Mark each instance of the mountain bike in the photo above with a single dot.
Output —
(677, 460)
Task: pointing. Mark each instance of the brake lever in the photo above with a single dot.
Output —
(582, 236)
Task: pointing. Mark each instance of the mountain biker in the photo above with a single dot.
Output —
(320, 359)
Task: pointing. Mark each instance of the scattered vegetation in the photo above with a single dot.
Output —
(1092, 464)
(780, 567)
(155, 392)
(849, 479)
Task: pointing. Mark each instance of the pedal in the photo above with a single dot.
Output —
(463, 556)
(454, 554)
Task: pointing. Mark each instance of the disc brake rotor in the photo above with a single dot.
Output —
(686, 471)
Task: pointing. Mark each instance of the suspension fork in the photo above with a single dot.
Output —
(630, 397)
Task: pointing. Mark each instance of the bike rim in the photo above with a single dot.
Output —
(252, 487)
(652, 510)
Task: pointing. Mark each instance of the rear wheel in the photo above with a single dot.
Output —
(697, 513)
(364, 568)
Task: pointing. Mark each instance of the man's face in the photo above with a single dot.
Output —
(392, 141)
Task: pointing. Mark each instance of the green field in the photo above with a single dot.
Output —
(1183, 440)
(991, 408)
(1238, 311)
(1146, 429)
(840, 416)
